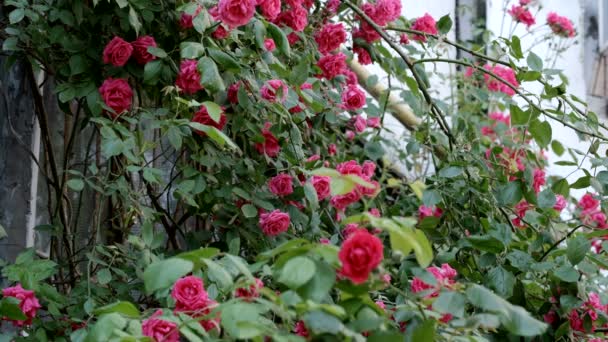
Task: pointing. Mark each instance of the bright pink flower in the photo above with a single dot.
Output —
(359, 255)
(281, 185)
(185, 20)
(140, 49)
(324, 241)
(232, 94)
(272, 89)
(522, 15)
(539, 180)
(368, 169)
(159, 329)
(561, 26)
(362, 55)
(359, 123)
(350, 135)
(588, 202)
(189, 78)
(330, 37)
(340, 202)
(300, 329)
(373, 122)
(404, 39)
(332, 65)
(550, 317)
(270, 8)
(235, 13)
(350, 167)
(117, 52)
(386, 11)
(296, 18)
(445, 318)
(375, 212)
(426, 24)
(444, 278)
(353, 98)
(332, 149)
(350, 229)
(520, 212)
(350, 76)
(269, 44)
(251, 292)
(270, 146)
(116, 94)
(221, 32)
(505, 73)
(203, 117)
(28, 303)
(274, 222)
(381, 304)
(322, 186)
(424, 211)
(313, 158)
(560, 203)
(189, 293)
(332, 6)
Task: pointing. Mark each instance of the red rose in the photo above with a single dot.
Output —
(270, 146)
(281, 185)
(140, 49)
(269, 45)
(368, 168)
(188, 79)
(363, 56)
(117, 94)
(270, 8)
(274, 222)
(28, 303)
(232, 93)
(426, 24)
(350, 167)
(159, 329)
(235, 13)
(332, 149)
(248, 293)
(296, 18)
(321, 185)
(340, 202)
(353, 98)
(189, 293)
(117, 52)
(185, 20)
(360, 254)
(330, 37)
(272, 88)
(202, 117)
(332, 65)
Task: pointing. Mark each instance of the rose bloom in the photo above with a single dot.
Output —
(296, 18)
(189, 293)
(561, 26)
(251, 292)
(270, 146)
(353, 98)
(269, 45)
(160, 330)
(404, 39)
(368, 168)
(271, 89)
(185, 20)
(28, 303)
(340, 202)
(203, 117)
(426, 24)
(117, 52)
(220, 32)
(189, 78)
(350, 135)
(350, 76)
(350, 167)
(140, 49)
(539, 180)
(424, 211)
(274, 222)
(313, 158)
(332, 65)
(330, 37)
(232, 93)
(522, 15)
(444, 277)
(349, 229)
(116, 94)
(235, 13)
(362, 55)
(386, 11)
(270, 8)
(359, 123)
(322, 186)
(281, 185)
(588, 202)
(300, 329)
(560, 203)
(505, 73)
(373, 122)
(332, 149)
(359, 255)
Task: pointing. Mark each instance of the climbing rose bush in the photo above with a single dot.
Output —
(229, 172)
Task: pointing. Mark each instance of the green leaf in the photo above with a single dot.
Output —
(341, 185)
(124, 308)
(241, 320)
(297, 272)
(174, 134)
(152, 71)
(77, 65)
(450, 172)
(566, 273)
(249, 210)
(9, 308)
(218, 274)
(191, 50)
(210, 76)
(224, 60)
(300, 72)
(561, 187)
(134, 20)
(317, 288)
(374, 150)
(259, 31)
(577, 249)
(516, 48)
(502, 281)
(320, 322)
(162, 274)
(156, 51)
(311, 195)
(581, 183)
(444, 24)
(105, 327)
(546, 199)
(279, 38)
(198, 256)
(534, 62)
(424, 331)
(450, 302)
(3, 233)
(508, 194)
(104, 276)
(557, 147)
(541, 131)
(16, 15)
(214, 110)
(486, 243)
(518, 116)
(75, 184)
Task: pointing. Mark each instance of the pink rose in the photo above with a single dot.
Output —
(269, 45)
(506, 74)
(272, 89)
(270, 146)
(116, 94)
(185, 20)
(332, 149)
(221, 32)
(426, 24)
(332, 6)
(188, 79)
(362, 55)
(189, 293)
(424, 211)
(274, 222)
(350, 77)
(350, 135)
(203, 117)
(322, 186)
(359, 255)
(28, 303)
(117, 52)
(140, 49)
(368, 168)
(281, 185)
(353, 98)
(387, 11)
(341, 202)
(375, 212)
(404, 39)
(560, 203)
(300, 329)
(539, 180)
(235, 13)
(588, 202)
(332, 65)
(561, 26)
(350, 167)
(330, 37)
(349, 229)
(359, 123)
(296, 18)
(251, 292)
(313, 158)
(522, 15)
(270, 8)
(373, 122)
(160, 330)
(232, 94)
